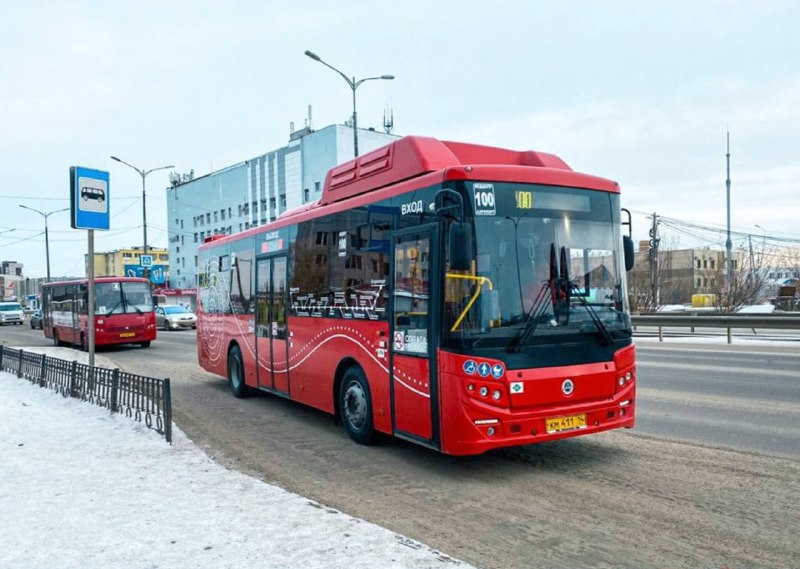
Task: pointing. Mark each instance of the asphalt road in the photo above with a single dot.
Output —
(691, 486)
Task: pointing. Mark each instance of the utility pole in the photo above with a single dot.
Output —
(728, 244)
(654, 241)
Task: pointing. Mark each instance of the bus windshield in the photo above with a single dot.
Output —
(548, 268)
(122, 298)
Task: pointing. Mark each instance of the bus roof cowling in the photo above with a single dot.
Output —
(414, 156)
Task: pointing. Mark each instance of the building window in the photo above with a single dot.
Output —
(322, 237)
(181, 239)
(705, 264)
(272, 204)
(216, 218)
(698, 264)
(195, 237)
(306, 196)
(177, 249)
(699, 284)
(195, 260)
(229, 213)
(222, 214)
(208, 217)
(712, 263)
(316, 187)
(283, 200)
(194, 221)
(264, 205)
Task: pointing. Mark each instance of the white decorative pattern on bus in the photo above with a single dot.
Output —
(315, 347)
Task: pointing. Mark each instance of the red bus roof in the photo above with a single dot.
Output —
(412, 156)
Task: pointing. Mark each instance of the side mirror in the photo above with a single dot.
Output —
(627, 245)
(460, 246)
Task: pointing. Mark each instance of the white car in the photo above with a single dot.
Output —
(11, 313)
(174, 317)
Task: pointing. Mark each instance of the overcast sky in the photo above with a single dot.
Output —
(631, 91)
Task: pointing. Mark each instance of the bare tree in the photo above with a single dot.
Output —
(748, 282)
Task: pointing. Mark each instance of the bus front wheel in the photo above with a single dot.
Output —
(355, 405)
(236, 373)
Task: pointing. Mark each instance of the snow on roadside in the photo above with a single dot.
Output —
(83, 488)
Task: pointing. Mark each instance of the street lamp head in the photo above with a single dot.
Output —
(387, 76)
(313, 55)
(115, 158)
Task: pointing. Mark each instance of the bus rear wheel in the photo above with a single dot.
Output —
(355, 404)
(56, 341)
(236, 373)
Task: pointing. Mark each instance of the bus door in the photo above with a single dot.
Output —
(272, 346)
(414, 390)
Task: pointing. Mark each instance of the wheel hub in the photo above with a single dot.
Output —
(355, 406)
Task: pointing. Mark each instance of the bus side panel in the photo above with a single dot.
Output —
(213, 343)
(412, 396)
(317, 347)
(241, 329)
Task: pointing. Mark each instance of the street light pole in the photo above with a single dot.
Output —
(143, 173)
(353, 84)
(45, 215)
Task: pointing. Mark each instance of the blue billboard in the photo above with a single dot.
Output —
(158, 273)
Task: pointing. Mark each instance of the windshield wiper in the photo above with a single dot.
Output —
(113, 308)
(602, 329)
(536, 311)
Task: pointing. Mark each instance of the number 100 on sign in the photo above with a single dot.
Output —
(484, 199)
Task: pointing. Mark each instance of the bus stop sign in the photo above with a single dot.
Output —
(89, 198)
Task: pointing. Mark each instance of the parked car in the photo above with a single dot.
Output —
(36, 320)
(11, 313)
(175, 317)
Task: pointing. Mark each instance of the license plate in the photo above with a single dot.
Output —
(127, 334)
(556, 424)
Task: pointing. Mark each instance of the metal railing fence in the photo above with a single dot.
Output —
(138, 397)
(728, 322)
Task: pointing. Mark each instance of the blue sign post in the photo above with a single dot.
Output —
(89, 198)
(90, 209)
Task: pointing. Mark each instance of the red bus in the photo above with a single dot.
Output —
(123, 312)
(463, 297)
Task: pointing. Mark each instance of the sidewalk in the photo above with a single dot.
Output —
(82, 488)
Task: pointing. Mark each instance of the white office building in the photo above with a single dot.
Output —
(255, 191)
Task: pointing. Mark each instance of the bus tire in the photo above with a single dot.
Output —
(56, 341)
(84, 343)
(236, 373)
(355, 404)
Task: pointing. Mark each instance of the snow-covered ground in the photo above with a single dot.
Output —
(82, 488)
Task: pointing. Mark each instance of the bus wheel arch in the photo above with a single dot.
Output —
(353, 399)
(235, 371)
